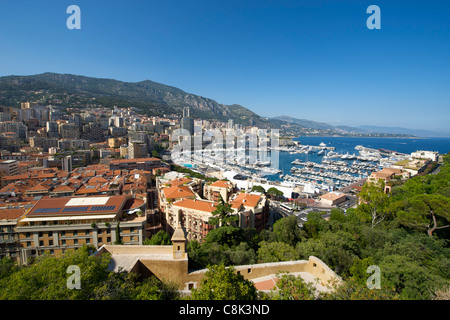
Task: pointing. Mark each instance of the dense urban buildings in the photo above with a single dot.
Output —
(103, 176)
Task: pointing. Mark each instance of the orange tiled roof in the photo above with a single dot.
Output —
(98, 179)
(39, 187)
(15, 187)
(179, 181)
(63, 188)
(16, 177)
(11, 214)
(201, 205)
(88, 188)
(177, 192)
(246, 199)
(221, 184)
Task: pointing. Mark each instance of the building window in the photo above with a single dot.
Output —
(63, 242)
(75, 241)
(50, 242)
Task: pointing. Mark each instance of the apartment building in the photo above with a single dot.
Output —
(179, 201)
(137, 149)
(9, 237)
(9, 167)
(193, 215)
(54, 225)
(253, 210)
(219, 189)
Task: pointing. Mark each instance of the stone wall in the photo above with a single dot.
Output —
(159, 261)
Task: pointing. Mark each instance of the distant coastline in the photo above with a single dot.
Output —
(362, 136)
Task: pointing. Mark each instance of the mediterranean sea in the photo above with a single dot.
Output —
(348, 144)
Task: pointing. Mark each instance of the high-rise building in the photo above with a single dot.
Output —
(137, 149)
(69, 131)
(25, 105)
(187, 122)
(17, 127)
(67, 164)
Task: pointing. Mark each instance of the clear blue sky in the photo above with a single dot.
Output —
(308, 59)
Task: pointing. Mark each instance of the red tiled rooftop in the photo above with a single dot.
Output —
(133, 203)
(11, 214)
(178, 192)
(179, 181)
(200, 205)
(245, 199)
(221, 184)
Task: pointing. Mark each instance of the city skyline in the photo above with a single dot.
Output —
(315, 61)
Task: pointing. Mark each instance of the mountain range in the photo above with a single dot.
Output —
(154, 98)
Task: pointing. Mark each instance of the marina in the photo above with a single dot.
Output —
(322, 167)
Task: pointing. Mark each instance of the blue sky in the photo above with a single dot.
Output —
(309, 59)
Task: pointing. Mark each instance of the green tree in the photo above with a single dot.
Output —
(287, 230)
(351, 289)
(259, 189)
(241, 254)
(274, 192)
(7, 266)
(315, 224)
(337, 214)
(222, 283)
(358, 270)
(117, 286)
(222, 214)
(426, 211)
(46, 278)
(118, 240)
(276, 251)
(154, 289)
(290, 287)
(161, 238)
(374, 203)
